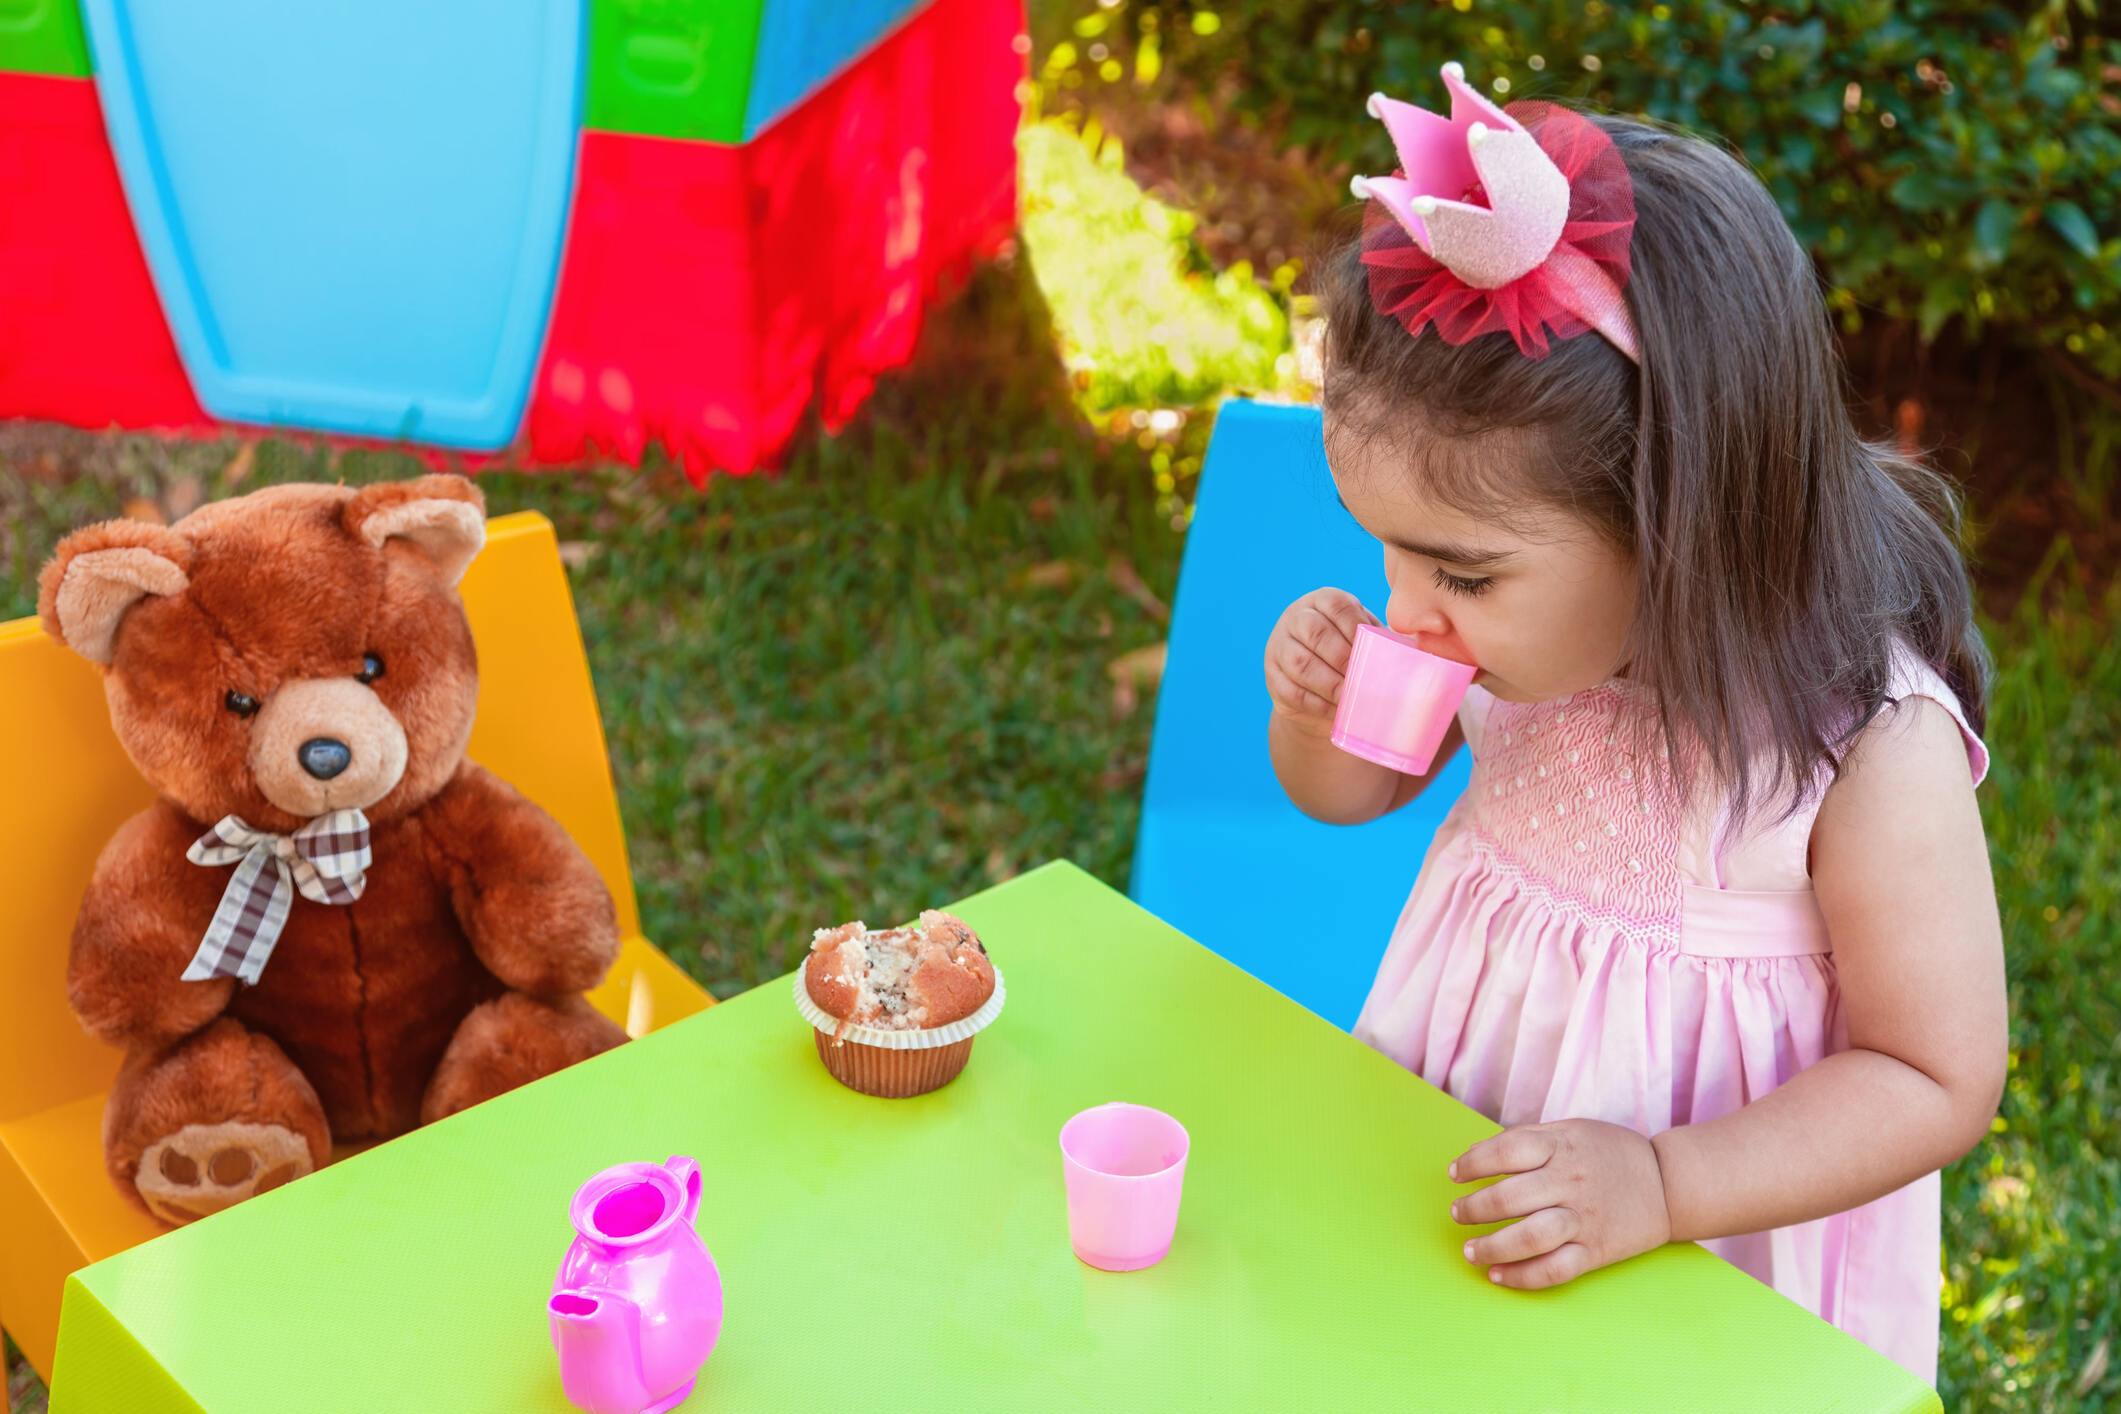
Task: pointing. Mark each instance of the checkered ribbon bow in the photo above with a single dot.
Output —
(327, 859)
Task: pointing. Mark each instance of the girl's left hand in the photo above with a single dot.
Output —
(1585, 1194)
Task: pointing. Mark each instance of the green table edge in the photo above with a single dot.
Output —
(102, 1368)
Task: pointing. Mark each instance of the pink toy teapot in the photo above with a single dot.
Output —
(637, 1304)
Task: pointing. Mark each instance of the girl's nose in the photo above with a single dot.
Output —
(1413, 613)
(1423, 618)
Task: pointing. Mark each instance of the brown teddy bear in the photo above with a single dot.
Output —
(331, 926)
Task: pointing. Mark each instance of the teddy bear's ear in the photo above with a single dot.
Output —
(98, 573)
(443, 517)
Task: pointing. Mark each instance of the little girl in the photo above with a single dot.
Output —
(1712, 930)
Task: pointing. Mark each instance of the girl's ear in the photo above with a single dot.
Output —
(97, 574)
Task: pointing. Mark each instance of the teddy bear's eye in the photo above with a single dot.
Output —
(371, 668)
(242, 704)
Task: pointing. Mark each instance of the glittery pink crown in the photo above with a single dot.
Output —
(1500, 220)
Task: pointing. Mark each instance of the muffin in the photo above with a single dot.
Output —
(894, 1011)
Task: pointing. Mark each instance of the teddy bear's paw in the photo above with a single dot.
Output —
(203, 1168)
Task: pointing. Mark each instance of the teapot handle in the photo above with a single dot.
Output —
(686, 1171)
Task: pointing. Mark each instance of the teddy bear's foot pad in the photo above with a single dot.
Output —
(203, 1168)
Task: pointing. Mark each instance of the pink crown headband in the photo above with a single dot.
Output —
(1513, 221)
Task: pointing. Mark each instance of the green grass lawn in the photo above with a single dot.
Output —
(2033, 1217)
(894, 675)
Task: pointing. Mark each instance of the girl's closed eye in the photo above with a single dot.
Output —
(1458, 584)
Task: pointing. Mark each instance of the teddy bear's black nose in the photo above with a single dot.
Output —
(324, 758)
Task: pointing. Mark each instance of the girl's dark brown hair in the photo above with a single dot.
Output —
(1779, 553)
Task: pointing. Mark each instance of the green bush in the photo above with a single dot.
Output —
(1142, 317)
(1942, 159)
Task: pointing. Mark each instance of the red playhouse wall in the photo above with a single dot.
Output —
(709, 291)
(82, 337)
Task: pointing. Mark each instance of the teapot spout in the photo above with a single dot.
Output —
(598, 1336)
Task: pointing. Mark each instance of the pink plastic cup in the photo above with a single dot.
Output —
(1125, 1166)
(1396, 702)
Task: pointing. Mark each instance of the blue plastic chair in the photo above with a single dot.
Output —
(1221, 854)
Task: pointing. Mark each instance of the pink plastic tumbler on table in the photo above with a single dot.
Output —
(1396, 701)
(1125, 1166)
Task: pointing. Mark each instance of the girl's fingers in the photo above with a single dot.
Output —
(1308, 668)
(1512, 1151)
(1317, 630)
(1542, 1232)
(1330, 630)
(1294, 696)
(1512, 1198)
(1565, 1263)
(1346, 613)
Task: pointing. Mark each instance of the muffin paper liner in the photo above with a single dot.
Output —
(922, 1039)
(895, 1065)
(892, 1075)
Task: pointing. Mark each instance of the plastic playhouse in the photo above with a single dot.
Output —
(546, 227)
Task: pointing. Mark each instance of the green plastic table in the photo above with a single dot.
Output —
(913, 1254)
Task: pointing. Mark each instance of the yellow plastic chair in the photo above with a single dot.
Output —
(68, 786)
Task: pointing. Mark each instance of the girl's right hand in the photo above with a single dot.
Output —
(1307, 655)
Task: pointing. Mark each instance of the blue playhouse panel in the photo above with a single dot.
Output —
(353, 211)
(803, 44)
(1305, 907)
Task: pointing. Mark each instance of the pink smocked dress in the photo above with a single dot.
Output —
(1578, 947)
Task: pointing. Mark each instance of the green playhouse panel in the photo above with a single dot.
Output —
(670, 68)
(44, 37)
